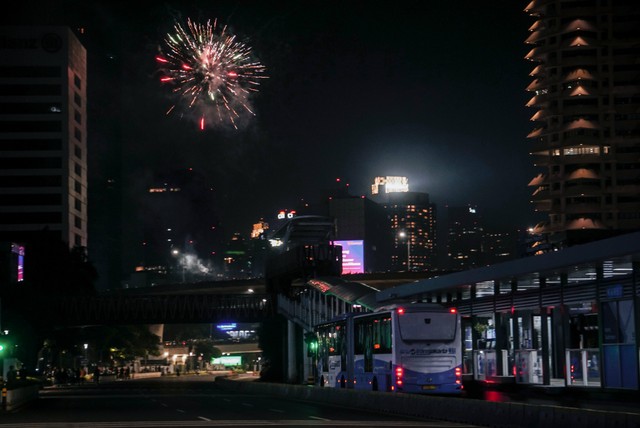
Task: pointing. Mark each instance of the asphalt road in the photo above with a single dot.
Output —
(185, 401)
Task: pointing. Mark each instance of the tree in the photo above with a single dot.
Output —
(125, 343)
(206, 349)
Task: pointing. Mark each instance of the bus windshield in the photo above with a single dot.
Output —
(420, 326)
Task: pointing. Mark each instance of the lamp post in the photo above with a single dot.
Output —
(403, 234)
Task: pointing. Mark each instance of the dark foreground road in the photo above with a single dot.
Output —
(186, 401)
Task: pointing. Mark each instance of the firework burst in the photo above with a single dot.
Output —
(211, 73)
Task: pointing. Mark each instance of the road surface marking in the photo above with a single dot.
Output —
(319, 419)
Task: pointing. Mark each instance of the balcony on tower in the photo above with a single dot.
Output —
(579, 74)
(579, 25)
(539, 100)
(584, 223)
(536, 54)
(538, 71)
(541, 193)
(582, 188)
(536, 8)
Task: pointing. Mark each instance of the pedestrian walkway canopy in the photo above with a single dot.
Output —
(354, 293)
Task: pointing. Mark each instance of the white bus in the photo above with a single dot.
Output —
(403, 348)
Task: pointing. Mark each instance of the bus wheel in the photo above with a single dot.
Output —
(343, 383)
(321, 381)
(374, 384)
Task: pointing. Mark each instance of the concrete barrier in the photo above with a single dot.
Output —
(450, 409)
(145, 375)
(19, 397)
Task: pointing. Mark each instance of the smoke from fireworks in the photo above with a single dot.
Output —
(212, 73)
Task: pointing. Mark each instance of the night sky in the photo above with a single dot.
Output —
(434, 91)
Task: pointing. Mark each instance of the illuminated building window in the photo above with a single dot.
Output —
(582, 150)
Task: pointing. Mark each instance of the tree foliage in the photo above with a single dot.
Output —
(206, 348)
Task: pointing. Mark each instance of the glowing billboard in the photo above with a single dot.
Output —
(227, 327)
(352, 256)
(17, 262)
(227, 361)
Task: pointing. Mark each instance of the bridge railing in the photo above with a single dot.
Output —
(79, 310)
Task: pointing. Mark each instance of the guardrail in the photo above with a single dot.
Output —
(451, 409)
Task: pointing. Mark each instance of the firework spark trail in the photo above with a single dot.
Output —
(210, 71)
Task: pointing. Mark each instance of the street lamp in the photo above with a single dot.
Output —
(403, 234)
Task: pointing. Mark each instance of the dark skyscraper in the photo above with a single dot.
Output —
(586, 136)
(464, 238)
(358, 218)
(43, 138)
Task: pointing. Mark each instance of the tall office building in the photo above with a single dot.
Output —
(362, 228)
(412, 219)
(586, 139)
(465, 237)
(43, 135)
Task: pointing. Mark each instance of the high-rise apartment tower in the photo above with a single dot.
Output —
(586, 96)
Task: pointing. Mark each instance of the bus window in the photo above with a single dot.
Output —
(335, 339)
(323, 346)
(382, 336)
(364, 341)
(432, 326)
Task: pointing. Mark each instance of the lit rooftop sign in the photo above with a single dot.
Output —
(286, 214)
(390, 185)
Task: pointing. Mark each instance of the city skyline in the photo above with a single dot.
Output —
(352, 92)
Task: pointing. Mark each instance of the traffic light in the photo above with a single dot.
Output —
(312, 344)
(4, 344)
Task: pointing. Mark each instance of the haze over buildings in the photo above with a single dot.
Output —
(342, 100)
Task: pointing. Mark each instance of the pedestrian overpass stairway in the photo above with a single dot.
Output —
(322, 299)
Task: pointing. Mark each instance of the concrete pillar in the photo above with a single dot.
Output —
(291, 352)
